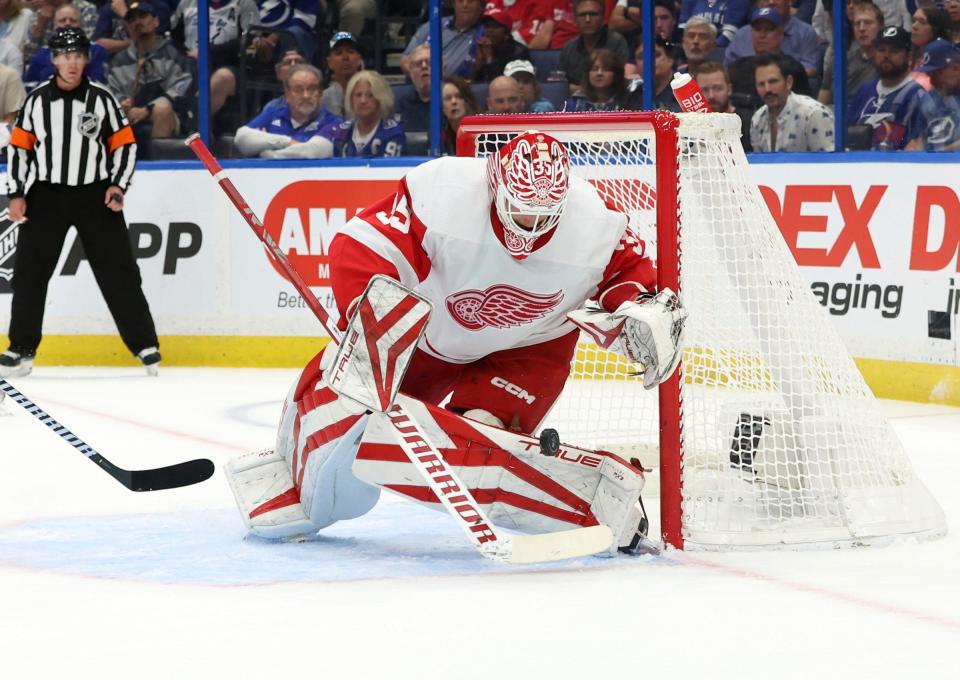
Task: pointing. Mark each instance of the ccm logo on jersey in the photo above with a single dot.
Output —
(515, 390)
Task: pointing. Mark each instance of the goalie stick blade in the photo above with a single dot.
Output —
(560, 545)
(158, 479)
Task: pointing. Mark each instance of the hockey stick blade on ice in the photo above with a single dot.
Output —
(489, 540)
(169, 477)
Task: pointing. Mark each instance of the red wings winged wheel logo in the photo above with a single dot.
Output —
(500, 306)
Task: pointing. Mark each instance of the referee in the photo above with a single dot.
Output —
(69, 161)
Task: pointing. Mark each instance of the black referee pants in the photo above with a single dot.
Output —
(51, 210)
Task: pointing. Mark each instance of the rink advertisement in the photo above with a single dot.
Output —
(880, 248)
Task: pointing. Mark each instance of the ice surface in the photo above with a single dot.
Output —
(96, 580)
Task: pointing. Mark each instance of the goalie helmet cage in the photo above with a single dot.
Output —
(768, 435)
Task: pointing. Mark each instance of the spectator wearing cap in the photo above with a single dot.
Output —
(799, 39)
(767, 39)
(301, 128)
(41, 68)
(370, 129)
(458, 34)
(941, 105)
(594, 35)
(787, 121)
(41, 23)
(891, 104)
(700, 43)
(344, 61)
(525, 73)
(458, 101)
(110, 31)
(228, 20)
(504, 96)
(725, 15)
(867, 20)
(413, 106)
(149, 78)
(714, 82)
(496, 47)
(295, 24)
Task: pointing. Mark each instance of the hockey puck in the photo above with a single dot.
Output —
(549, 442)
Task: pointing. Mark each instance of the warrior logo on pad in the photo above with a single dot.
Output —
(500, 306)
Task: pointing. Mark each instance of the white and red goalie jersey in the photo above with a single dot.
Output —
(440, 235)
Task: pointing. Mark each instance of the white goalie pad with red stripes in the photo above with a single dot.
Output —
(378, 344)
(517, 486)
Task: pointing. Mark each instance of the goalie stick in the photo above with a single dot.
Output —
(488, 539)
(169, 477)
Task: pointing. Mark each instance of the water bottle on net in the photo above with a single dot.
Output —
(688, 94)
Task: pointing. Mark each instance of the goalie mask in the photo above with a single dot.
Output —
(529, 178)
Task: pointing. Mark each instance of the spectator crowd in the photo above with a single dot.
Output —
(299, 78)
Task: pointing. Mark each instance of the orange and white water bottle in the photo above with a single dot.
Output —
(688, 94)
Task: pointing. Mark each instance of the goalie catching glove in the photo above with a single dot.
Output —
(648, 330)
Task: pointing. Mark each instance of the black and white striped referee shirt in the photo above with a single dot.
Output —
(73, 137)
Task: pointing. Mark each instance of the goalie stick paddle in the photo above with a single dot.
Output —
(485, 536)
(169, 477)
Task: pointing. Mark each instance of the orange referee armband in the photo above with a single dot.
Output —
(120, 138)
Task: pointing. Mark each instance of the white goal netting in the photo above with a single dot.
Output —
(782, 441)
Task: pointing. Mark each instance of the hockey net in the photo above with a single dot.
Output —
(768, 436)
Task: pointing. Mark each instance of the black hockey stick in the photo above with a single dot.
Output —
(170, 477)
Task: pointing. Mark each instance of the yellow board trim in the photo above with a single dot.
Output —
(906, 381)
(256, 351)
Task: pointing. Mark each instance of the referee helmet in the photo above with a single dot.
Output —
(69, 39)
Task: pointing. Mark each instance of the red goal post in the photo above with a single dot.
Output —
(767, 436)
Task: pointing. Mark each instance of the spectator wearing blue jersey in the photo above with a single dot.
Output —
(799, 39)
(370, 129)
(296, 18)
(891, 104)
(726, 15)
(941, 105)
(300, 128)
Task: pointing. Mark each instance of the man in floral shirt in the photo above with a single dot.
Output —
(787, 121)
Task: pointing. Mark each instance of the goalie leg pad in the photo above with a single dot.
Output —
(305, 484)
(517, 486)
(333, 491)
(264, 492)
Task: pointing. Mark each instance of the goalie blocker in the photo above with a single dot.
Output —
(332, 457)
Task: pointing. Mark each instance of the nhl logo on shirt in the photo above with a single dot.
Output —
(8, 247)
(88, 124)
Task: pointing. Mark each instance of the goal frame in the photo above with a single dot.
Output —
(663, 125)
